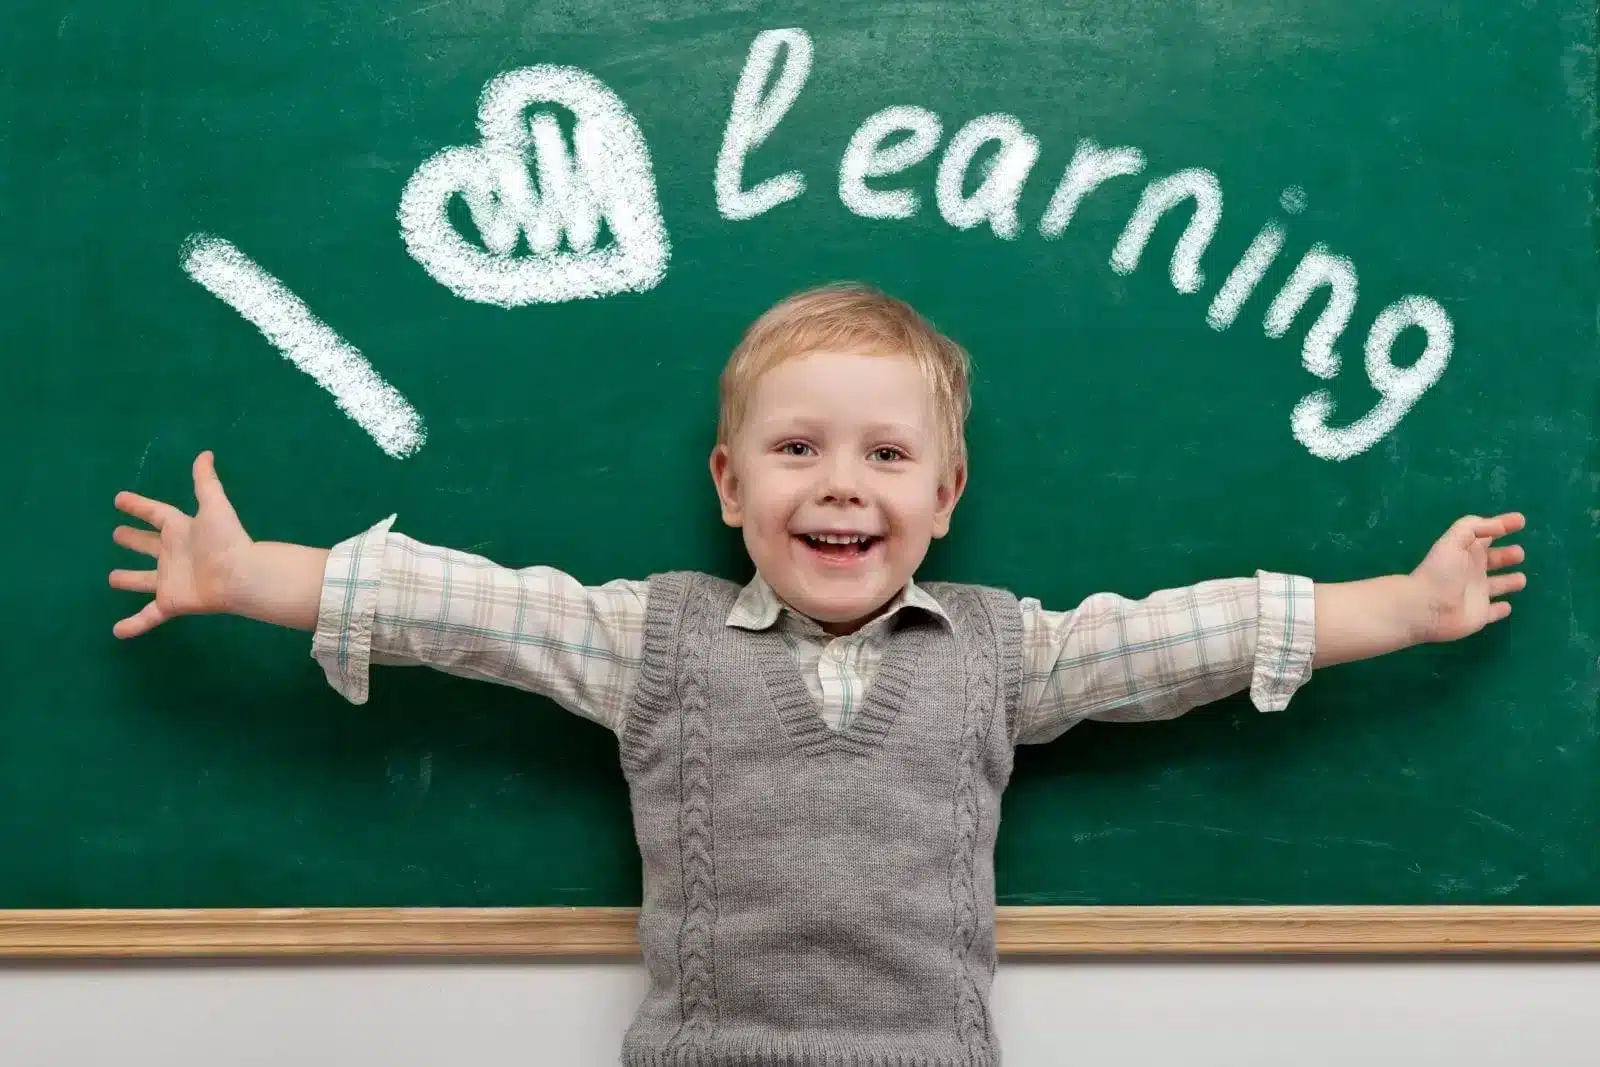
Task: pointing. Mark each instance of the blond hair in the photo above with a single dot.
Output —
(850, 317)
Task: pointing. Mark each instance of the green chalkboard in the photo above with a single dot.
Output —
(1134, 426)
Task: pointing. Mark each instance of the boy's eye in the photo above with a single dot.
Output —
(794, 448)
(887, 454)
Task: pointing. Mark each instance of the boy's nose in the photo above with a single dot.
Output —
(841, 483)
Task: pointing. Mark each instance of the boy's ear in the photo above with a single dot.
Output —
(727, 483)
(949, 493)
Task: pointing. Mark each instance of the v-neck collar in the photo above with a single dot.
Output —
(800, 714)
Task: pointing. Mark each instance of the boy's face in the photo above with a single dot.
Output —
(838, 446)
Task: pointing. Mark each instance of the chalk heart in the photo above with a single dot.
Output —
(608, 176)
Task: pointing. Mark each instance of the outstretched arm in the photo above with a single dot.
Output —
(381, 597)
(1124, 660)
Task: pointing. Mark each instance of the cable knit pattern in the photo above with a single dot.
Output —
(812, 897)
(699, 991)
(982, 693)
(971, 1023)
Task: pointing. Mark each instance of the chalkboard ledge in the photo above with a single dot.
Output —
(609, 932)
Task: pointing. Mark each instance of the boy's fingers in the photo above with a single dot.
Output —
(154, 512)
(206, 482)
(1498, 526)
(146, 541)
(1506, 556)
(145, 621)
(1465, 530)
(1499, 610)
(134, 581)
(1501, 584)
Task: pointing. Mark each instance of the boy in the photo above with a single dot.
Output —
(815, 761)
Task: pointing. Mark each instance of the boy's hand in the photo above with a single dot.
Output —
(1457, 592)
(1450, 595)
(199, 559)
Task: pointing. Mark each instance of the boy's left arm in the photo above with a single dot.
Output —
(1122, 660)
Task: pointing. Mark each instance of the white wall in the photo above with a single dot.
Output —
(1086, 1014)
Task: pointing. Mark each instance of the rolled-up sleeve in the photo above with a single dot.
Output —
(342, 641)
(1286, 638)
(1121, 660)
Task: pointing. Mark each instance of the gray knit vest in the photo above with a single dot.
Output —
(812, 897)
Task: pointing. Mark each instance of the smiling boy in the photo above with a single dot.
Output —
(816, 759)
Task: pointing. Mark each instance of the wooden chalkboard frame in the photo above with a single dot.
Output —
(610, 932)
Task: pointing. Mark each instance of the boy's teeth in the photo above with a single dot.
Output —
(838, 539)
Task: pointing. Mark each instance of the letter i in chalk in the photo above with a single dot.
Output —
(306, 341)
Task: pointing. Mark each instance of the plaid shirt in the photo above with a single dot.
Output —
(388, 599)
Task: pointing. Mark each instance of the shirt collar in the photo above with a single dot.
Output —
(758, 606)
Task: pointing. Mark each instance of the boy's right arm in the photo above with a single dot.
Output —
(381, 597)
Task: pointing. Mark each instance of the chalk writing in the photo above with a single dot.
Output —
(996, 197)
(863, 159)
(306, 341)
(1091, 166)
(1159, 197)
(1245, 276)
(607, 178)
(1399, 387)
(754, 117)
(1317, 269)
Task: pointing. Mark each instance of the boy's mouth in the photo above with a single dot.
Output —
(839, 547)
